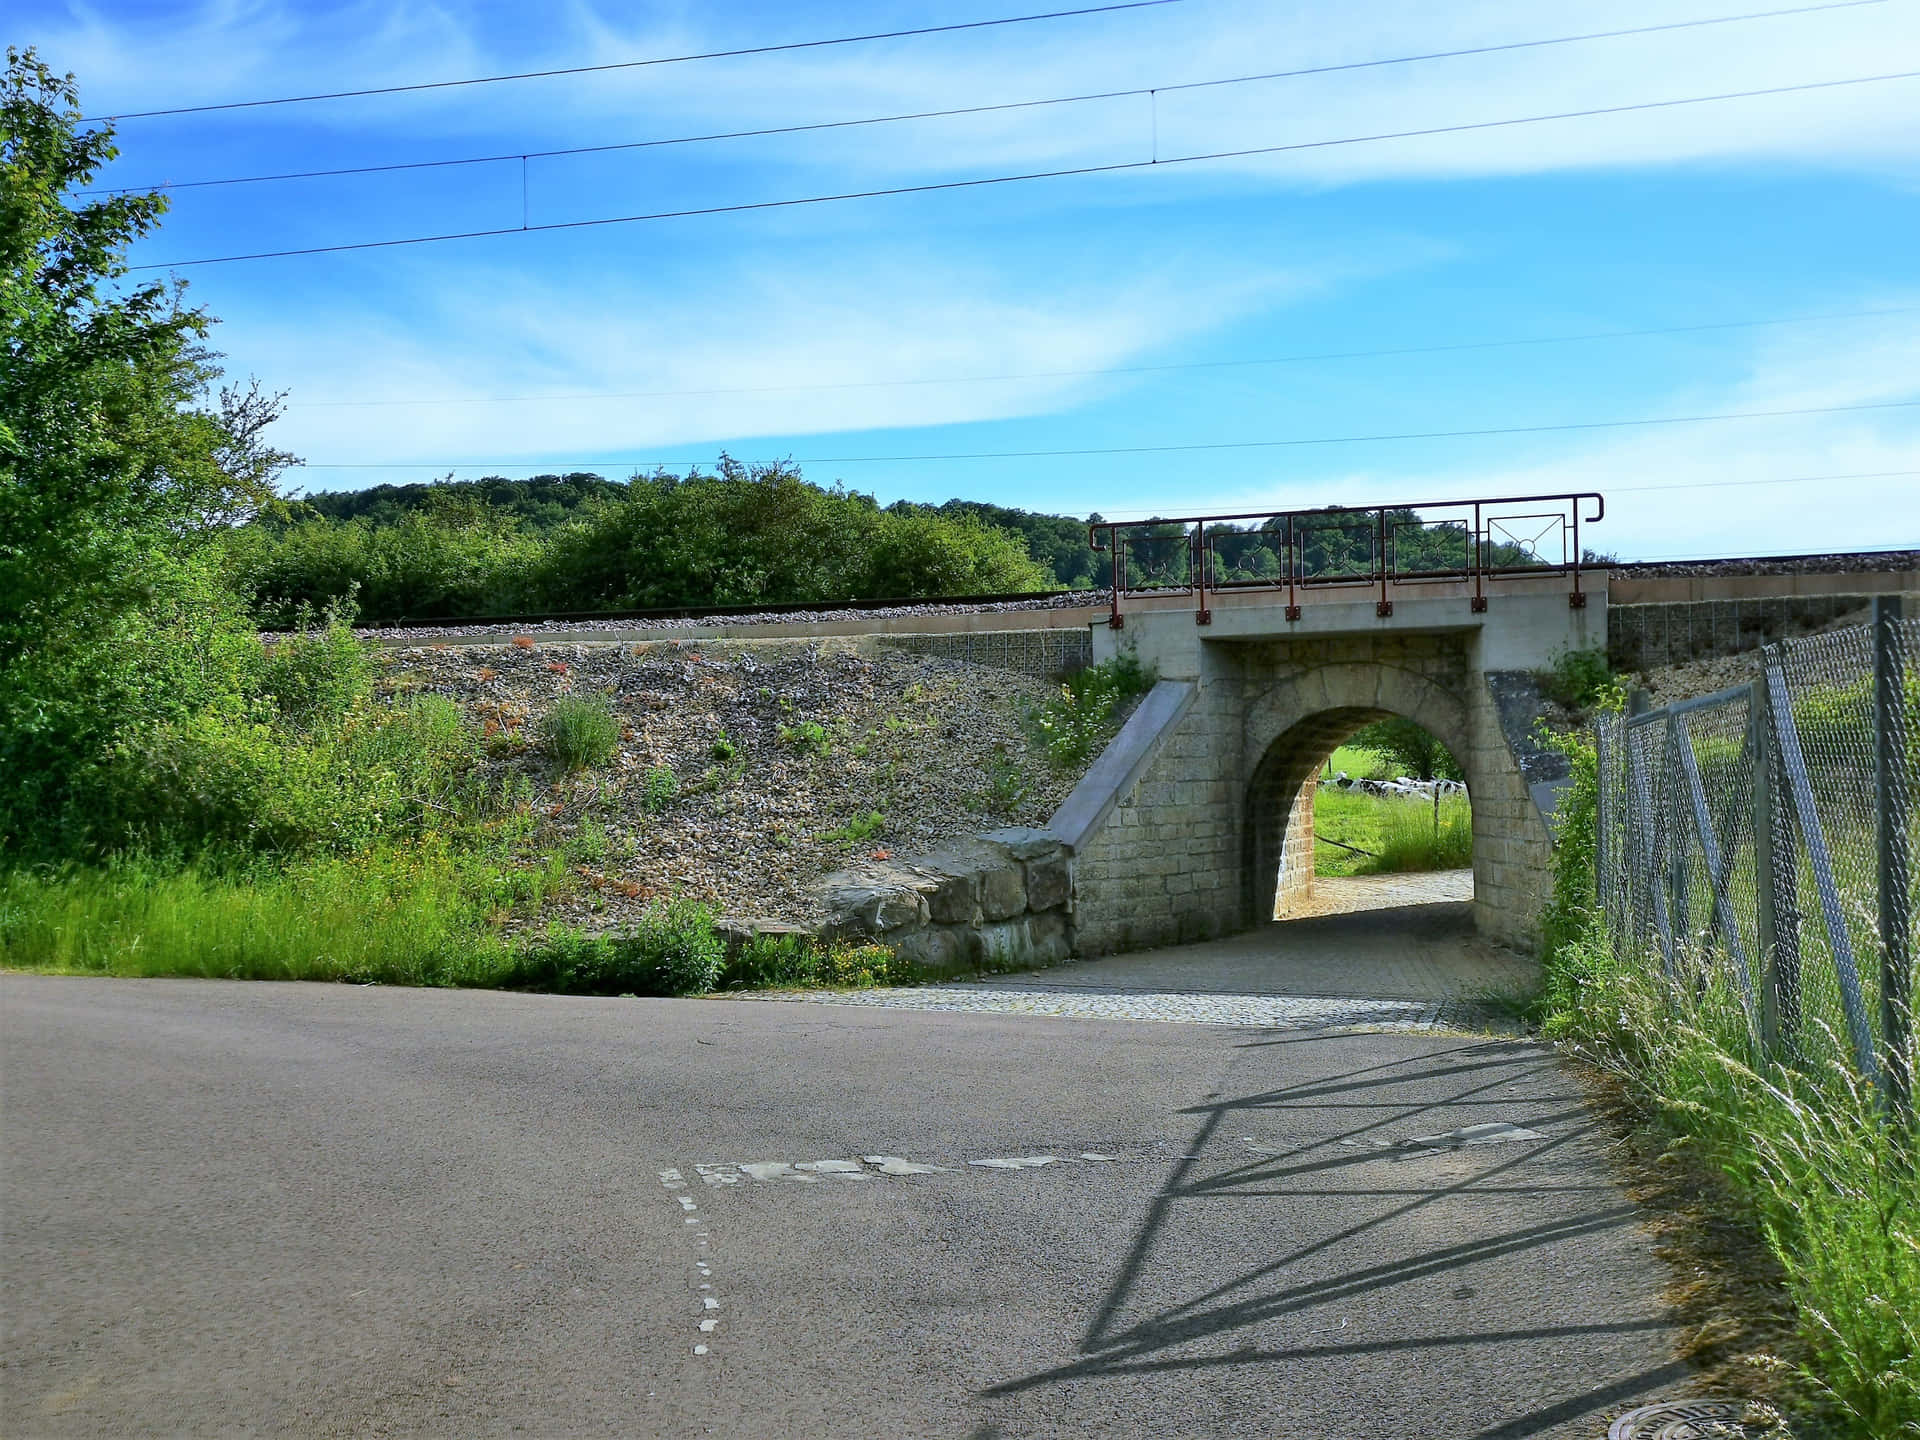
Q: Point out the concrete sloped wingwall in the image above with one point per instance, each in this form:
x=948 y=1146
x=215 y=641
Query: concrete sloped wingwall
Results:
x=1197 y=821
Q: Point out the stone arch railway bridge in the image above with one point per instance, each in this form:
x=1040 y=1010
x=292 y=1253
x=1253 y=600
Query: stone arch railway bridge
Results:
x=1274 y=637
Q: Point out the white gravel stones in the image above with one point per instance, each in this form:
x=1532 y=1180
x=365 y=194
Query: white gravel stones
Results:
x=1274 y=1012
x=1066 y=600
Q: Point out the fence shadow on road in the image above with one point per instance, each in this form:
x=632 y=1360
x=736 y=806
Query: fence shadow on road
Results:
x=1469 y=1073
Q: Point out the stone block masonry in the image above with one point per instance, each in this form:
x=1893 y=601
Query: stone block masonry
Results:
x=996 y=902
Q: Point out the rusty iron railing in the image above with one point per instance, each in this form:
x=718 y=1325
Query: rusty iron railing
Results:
x=1377 y=546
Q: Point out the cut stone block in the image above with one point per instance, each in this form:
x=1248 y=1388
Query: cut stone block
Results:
x=1049 y=882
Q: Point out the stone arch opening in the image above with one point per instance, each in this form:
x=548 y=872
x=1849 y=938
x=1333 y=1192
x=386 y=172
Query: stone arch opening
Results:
x=1282 y=798
x=1292 y=729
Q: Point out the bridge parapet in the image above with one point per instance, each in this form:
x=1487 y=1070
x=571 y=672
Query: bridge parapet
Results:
x=1372 y=550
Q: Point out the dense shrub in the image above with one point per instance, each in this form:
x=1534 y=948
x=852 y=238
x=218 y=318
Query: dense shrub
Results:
x=581 y=731
x=1578 y=679
x=740 y=537
x=672 y=950
x=430 y=563
x=801 y=962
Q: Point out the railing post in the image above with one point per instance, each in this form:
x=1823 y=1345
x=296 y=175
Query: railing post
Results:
x=1893 y=807
x=1201 y=614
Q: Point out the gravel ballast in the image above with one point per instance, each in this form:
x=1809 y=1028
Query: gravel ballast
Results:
x=774 y=749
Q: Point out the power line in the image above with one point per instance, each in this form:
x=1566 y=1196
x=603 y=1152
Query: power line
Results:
x=644 y=64
x=1559 y=428
x=1453 y=348
x=973 y=109
x=983 y=181
x=1131 y=516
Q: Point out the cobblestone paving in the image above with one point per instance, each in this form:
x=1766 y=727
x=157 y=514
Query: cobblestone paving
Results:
x=1347 y=894
x=1393 y=952
x=1274 y=1012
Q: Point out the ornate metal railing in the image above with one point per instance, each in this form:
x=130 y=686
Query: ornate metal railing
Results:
x=1301 y=552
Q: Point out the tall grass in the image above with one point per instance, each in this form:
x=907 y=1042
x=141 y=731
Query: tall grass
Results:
x=1399 y=834
x=421 y=916
x=1814 y=1161
x=418 y=916
x=581 y=731
x=1414 y=836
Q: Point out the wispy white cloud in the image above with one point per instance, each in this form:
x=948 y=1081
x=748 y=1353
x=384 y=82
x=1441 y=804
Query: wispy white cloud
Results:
x=236 y=48
x=1846 y=480
x=755 y=335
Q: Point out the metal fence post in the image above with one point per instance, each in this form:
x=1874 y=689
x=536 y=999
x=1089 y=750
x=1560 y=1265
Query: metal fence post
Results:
x=1775 y=1023
x=1679 y=902
x=1602 y=883
x=1893 y=812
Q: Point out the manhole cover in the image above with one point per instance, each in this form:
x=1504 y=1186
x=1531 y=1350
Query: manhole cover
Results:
x=1686 y=1420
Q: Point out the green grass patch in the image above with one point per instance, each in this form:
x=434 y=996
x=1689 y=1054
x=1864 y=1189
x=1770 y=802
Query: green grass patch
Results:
x=580 y=732
x=1399 y=833
x=414 y=916
x=1415 y=836
x=1360 y=764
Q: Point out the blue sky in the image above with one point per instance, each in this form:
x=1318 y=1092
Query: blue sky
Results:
x=1166 y=307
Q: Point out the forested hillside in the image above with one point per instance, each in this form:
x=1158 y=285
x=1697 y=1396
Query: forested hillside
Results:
x=744 y=535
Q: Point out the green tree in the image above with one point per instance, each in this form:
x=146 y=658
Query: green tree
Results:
x=119 y=455
x=1410 y=746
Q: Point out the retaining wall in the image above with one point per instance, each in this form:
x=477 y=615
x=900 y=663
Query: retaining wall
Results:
x=1048 y=654
x=999 y=901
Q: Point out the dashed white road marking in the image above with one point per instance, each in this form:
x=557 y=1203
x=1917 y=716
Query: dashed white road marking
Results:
x=1021 y=1162
x=673 y=1180
x=894 y=1165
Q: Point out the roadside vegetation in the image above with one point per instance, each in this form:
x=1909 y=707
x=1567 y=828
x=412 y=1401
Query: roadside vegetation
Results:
x=179 y=796
x=1073 y=725
x=1804 y=1155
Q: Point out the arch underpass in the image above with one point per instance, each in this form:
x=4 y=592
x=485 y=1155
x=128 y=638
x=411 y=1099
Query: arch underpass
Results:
x=1291 y=729
x=1198 y=819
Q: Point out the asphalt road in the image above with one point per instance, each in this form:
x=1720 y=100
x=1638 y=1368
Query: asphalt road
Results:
x=294 y=1210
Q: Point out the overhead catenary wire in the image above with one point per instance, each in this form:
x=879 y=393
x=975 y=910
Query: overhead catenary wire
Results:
x=981 y=182
x=1484 y=432
x=1188 y=365
x=958 y=111
x=1134 y=516
x=734 y=54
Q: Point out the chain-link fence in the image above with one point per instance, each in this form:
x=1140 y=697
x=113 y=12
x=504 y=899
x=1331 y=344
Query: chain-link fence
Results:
x=1760 y=842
